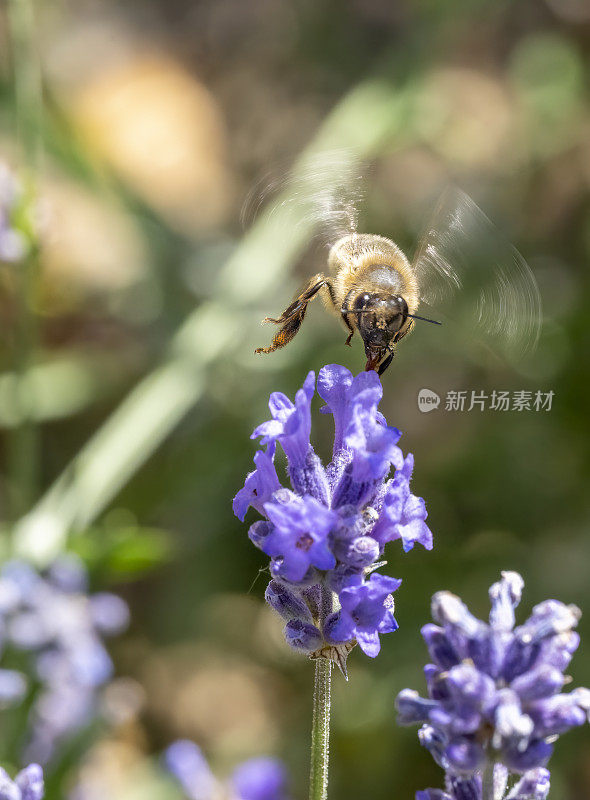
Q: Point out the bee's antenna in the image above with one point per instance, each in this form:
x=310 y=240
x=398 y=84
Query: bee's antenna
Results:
x=424 y=319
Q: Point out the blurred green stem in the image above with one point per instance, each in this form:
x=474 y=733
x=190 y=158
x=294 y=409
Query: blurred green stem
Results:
x=27 y=79
x=487 y=780
x=24 y=444
x=320 y=730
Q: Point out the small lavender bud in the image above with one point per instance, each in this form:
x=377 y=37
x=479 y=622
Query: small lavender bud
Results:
x=537 y=754
x=466 y=788
x=258 y=532
x=277 y=570
x=519 y=659
x=286 y=603
x=558 y=650
x=464 y=755
x=504 y=597
x=448 y=609
x=412 y=708
x=439 y=647
x=302 y=635
x=435 y=742
x=538 y=683
x=549 y=618
x=357 y=553
x=510 y=722
x=469 y=685
x=557 y=714
x=343 y=576
x=581 y=696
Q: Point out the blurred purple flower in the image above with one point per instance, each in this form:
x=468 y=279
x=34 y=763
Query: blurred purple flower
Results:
x=186 y=762
x=494 y=690
x=51 y=617
x=326 y=536
x=256 y=779
x=28 y=784
x=260 y=779
x=13 y=687
x=13 y=244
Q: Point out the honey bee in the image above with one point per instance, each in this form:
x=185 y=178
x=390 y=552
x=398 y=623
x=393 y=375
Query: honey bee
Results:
x=371 y=286
x=461 y=263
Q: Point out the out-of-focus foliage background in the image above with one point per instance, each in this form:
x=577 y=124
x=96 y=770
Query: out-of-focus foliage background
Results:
x=159 y=119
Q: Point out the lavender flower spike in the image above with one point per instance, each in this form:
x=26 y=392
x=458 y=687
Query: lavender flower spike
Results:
x=326 y=536
x=59 y=627
x=495 y=704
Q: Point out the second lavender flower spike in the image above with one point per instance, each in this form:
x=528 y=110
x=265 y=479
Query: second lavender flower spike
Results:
x=326 y=535
x=495 y=705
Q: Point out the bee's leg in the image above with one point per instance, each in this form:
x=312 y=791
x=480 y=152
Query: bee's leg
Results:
x=344 y=312
x=400 y=336
x=293 y=315
x=384 y=364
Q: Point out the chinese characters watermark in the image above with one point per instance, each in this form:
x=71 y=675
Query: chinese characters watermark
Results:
x=478 y=400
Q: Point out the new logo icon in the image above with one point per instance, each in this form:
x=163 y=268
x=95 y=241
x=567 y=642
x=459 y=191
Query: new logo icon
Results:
x=427 y=400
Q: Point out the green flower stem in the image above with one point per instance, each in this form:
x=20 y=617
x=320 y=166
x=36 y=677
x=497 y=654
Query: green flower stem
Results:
x=487 y=788
x=24 y=441
x=320 y=731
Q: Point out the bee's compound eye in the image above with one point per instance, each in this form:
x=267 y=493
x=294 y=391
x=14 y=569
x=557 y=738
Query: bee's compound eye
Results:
x=362 y=301
x=402 y=305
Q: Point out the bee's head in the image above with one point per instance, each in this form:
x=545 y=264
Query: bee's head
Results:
x=379 y=318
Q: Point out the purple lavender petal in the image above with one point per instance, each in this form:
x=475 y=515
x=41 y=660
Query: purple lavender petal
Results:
x=260 y=779
x=466 y=788
x=300 y=535
x=412 y=708
x=533 y=785
x=505 y=597
x=8 y=789
x=13 y=687
x=260 y=485
x=435 y=741
x=464 y=755
x=188 y=765
x=537 y=754
x=109 y=613
x=543 y=681
x=30 y=782
x=557 y=714
x=439 y=646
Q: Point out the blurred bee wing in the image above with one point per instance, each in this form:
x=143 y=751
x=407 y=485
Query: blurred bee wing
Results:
x=324 y=191
x=469 y=273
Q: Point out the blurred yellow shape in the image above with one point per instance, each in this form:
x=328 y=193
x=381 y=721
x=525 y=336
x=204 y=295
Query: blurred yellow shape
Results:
x=88 y=244
x=467 y=116
x=163 y=133
x=224 y=704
